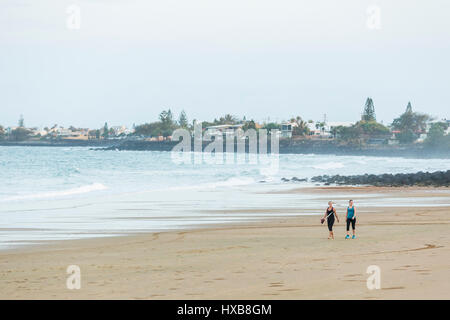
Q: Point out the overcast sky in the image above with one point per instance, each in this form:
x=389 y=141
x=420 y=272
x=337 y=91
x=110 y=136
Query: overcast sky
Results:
x=259 y=58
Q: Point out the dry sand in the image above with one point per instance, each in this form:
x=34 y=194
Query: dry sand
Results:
x=287 y=258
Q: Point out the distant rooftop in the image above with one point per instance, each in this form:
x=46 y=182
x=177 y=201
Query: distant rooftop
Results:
x=223 y=126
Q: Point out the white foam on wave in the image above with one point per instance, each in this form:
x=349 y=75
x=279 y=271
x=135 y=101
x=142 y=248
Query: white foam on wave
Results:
x=329 y=165
x=55 y=194
x=231 y=182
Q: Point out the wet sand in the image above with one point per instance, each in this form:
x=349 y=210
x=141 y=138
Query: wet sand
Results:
x=285 y=258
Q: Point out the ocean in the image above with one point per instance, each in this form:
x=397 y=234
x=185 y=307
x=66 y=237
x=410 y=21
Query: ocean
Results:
x=56 y=193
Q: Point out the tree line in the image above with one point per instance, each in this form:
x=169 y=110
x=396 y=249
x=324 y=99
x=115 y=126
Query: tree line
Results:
x=407 y=127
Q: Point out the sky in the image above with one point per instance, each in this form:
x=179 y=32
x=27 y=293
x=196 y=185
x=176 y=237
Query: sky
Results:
x=123 y=61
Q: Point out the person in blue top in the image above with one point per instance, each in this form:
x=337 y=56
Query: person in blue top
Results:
x=351 y=218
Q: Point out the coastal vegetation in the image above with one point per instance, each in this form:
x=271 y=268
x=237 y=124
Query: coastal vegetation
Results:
x=300 y=127
x=19 y=134
x=164 y=127
x=226 y=119
x=410 y=125
x=409 y=129
x=363 y=130
x=369 y=111
x=167 y=124
x=271 y=126
x=436 y=136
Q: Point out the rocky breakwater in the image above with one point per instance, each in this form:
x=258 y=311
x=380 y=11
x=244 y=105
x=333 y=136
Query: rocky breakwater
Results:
x=437 y=178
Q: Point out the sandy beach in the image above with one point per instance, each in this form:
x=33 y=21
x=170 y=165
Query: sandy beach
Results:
x=284 y=258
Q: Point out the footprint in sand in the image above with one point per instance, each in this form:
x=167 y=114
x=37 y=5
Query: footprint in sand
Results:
x=289 y=290
x=352 y=275
x=276 y=284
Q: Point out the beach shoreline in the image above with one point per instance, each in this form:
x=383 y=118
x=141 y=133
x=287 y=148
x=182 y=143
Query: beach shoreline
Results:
x=283 y=258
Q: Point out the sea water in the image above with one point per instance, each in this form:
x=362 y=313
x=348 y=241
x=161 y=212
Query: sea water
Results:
x=55 y=193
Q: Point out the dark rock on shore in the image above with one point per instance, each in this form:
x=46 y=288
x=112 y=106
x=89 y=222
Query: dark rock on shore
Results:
x=143 y=146
x=438 y=179
x=298 y=180
x=295 y=179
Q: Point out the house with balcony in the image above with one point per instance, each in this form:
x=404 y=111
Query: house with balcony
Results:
x=286 y=129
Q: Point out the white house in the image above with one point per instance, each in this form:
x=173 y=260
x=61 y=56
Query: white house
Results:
x=314 y=128
x=325 y=130
x=317 y=129
x=120 y=130
x=39 y=132
x=423 y=136
x=223 y=129
x=64 y=133
x=286 y=129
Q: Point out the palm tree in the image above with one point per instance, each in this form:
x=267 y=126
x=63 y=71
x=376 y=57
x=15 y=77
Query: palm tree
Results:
x=229 y=119
x=301 y=127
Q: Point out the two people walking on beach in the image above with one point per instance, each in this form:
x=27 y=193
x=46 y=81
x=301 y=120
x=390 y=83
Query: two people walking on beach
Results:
x=331 y=215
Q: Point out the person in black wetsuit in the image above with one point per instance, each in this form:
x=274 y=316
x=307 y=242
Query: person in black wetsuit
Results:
x=329 y=215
